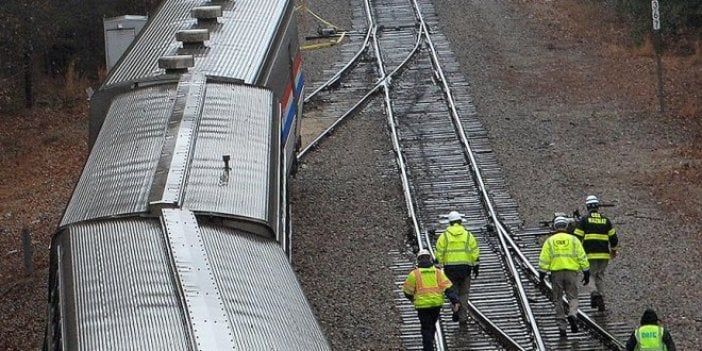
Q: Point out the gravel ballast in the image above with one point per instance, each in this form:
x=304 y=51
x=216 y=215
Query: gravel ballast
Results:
x=562 y=121
x=347 y=213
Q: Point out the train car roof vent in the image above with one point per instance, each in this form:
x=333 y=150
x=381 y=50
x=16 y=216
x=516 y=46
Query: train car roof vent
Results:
x=193 y=37
x=176 y=63
x=206 y=13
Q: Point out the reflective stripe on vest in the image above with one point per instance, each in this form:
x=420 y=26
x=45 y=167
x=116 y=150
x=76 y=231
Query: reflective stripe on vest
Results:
x=598 y=256
x=431 y=283
x=650 y=338
x=603 y=237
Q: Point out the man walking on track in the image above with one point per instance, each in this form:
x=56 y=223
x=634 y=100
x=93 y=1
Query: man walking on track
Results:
x=426 y=286
x=458 y=252
x=601 y=243
x=563 y=255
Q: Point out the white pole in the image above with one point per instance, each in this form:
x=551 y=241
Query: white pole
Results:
x=655 y=15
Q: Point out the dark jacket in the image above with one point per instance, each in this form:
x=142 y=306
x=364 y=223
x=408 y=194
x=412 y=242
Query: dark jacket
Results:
x=650 y=318
x=596 y=223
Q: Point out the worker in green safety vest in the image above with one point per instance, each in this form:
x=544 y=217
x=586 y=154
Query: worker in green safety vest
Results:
x=426 y=286
x=650 y=336
x=563 y=256
x=458 y=253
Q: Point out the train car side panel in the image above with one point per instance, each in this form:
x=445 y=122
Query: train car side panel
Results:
x=283 y=74
x=176 y=157
x=137 y=283
x=240 y=47
x=237 y=48
x=176 y=236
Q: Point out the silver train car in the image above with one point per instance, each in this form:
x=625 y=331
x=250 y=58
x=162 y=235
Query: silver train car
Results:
x=255 y=42
x=177 y=234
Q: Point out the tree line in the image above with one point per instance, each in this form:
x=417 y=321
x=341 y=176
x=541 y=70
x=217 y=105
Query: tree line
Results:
x=46 y=39
x=43 y=39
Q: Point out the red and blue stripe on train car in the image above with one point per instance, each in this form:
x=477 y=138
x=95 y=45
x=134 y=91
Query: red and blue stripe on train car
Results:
x=289 y=103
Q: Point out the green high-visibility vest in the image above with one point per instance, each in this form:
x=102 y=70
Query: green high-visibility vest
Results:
x=457 y=246
x=563 y=252
x=427 y=285
x=650 y=338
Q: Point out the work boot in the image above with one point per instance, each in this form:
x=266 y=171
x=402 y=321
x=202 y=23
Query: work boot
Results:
x=573 y=324
x=593 y=300
x=562 y=332
x=454 y=317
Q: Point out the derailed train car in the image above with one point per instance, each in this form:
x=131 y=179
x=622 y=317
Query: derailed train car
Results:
x=176 y=236
x=255 y=42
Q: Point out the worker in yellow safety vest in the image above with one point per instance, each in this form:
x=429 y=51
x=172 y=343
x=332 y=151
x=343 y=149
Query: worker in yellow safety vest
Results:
x=426 y=286
x=458 y=252
x=563 y=255
x=650 y=336
x=601 y=243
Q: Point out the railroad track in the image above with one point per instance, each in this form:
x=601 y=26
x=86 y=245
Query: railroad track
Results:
x=446 y=163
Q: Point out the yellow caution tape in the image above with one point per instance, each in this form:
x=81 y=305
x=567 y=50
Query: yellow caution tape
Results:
x=329 y=24
x=321 y=45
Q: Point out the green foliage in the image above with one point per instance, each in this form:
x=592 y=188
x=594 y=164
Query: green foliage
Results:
x=80 y=35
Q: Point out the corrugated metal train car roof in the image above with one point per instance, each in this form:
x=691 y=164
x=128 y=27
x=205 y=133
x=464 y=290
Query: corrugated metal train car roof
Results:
x=131 y=299
x=248 y=27
x=165 y=143
x=123 y=298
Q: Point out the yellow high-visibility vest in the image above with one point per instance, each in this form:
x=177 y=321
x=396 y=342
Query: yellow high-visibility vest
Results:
x=457 y=246
x=650 y=338
x=563 y=252
x=427 y=285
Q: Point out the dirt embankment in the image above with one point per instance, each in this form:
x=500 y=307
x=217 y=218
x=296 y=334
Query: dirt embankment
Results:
x=43 y=152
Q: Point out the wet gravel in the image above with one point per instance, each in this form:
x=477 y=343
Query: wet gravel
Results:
x=560 y=138
x=347 y=214
x=563 y=128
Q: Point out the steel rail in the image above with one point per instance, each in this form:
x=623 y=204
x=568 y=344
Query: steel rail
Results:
x=396 y=141
x=378 y=85
x=337 y=76
x=593 y=325
x=503 y=233
x=538 y=340
x=439 y=340
x=484 y=320
x=385 y=83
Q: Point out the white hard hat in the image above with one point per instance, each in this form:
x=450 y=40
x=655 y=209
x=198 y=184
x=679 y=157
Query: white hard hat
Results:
x=454 y=216
x=423 y=252
x=591 y=201
x=560 y=222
